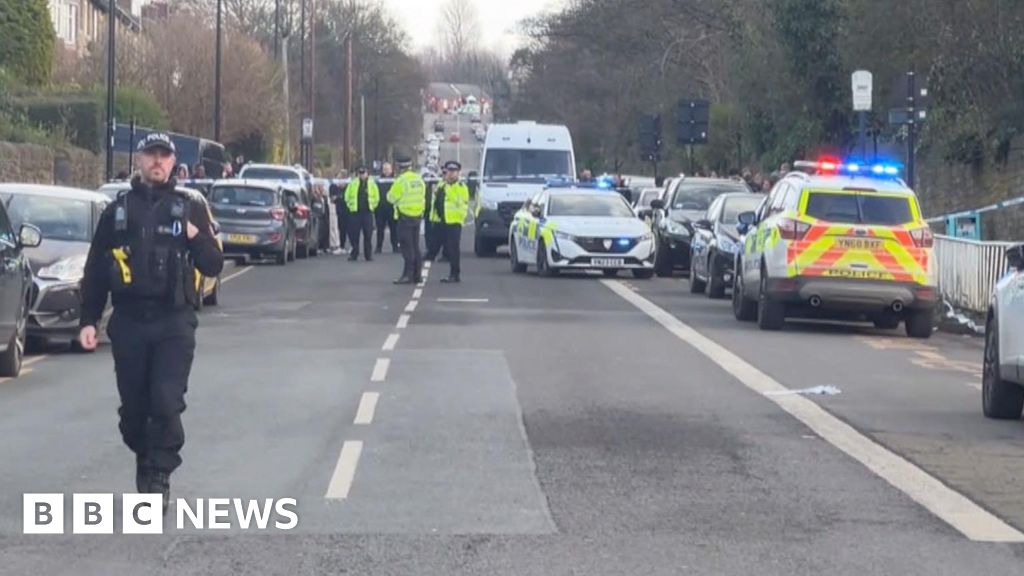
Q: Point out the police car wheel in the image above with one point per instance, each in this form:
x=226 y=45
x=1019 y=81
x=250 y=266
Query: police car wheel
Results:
x=743 y=309
x=771 y=314
x=1000 y=399
x=513 y=257
x=715 y=288
x=543 y=268
x=919 y=324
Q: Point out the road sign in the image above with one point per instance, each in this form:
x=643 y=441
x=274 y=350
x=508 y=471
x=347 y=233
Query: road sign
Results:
x=307 y=128
x=692 y=119
x=861 y=80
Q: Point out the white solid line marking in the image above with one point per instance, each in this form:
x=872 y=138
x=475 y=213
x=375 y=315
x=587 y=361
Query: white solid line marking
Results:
x=417 y=293
x=411 y=306
x=952 y=507
x=390 y=342
x=345 y=470
x=974 y=385
x=380 y=370
x=367 y=406
x=236 y=274
x=465 y=300
x=403 y=321
x=30 y=361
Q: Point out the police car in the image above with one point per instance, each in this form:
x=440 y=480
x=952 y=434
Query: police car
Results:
x=577 y=228
x=837 y=239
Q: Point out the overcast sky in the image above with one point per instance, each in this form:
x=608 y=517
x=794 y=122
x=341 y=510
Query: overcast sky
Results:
x=498 y=19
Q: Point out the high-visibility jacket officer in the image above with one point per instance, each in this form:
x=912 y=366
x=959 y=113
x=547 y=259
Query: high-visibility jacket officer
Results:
x=408 y=194
x=448 y=212
x=147 y=246
x=362 y=197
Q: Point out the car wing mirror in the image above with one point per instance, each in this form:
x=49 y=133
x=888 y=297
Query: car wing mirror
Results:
x=657 y=204
x=29 y=236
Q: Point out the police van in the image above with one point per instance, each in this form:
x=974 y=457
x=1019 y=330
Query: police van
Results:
x=841 y=240
x=518 y=160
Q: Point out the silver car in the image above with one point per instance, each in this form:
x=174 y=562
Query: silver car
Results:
x=1002 y=391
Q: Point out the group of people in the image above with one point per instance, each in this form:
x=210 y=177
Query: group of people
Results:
x=401 y=205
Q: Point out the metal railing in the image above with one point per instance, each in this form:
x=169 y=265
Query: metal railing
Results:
x=968 y=270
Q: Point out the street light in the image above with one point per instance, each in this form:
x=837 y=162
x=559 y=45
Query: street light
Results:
x=111 y=34
x=217 y=83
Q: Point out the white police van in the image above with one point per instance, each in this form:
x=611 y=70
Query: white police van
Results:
x=518 y=160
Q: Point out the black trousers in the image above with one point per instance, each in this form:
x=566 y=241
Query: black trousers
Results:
x=409 y=242
x=452 y=246
x=361 y=223
x=343 y=218
x=433 y=233
x=152 y=359
x=386 y=220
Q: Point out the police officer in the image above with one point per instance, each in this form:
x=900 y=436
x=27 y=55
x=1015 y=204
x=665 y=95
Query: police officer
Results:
x=148 y=244
x=448 y=212
x=386 y=212
x=362 y=197
x=408 y=195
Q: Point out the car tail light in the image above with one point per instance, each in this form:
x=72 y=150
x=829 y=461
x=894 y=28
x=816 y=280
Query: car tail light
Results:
x=277 y=213
x=923 y=237
x=302 y=211
x=790 y=229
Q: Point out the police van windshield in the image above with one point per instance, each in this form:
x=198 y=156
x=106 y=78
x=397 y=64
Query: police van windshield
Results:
x=596 y=205
x=56 y=218
x=241 y=196
x=507 y=165
x=864 y=208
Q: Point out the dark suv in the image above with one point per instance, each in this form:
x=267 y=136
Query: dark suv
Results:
x=15 y=291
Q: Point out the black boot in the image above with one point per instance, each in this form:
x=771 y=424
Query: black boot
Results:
x=160 y=483
x=450 y=280
x=403 y=280
x=142 y=475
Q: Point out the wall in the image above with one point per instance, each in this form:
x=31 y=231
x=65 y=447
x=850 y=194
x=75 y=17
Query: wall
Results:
x=945 y=188
x=31 y=163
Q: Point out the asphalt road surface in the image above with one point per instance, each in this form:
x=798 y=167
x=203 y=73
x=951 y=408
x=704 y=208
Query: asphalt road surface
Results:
x=519 y=425
x=467 y=151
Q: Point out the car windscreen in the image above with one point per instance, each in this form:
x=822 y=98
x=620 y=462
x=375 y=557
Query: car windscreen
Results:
x=738 y=205
x=595 y=205
x=526 y=165
x=269 y=174
x=699 y=195
x=242 y=196
x=859 y=208
x=56 y=218
x=648 y=196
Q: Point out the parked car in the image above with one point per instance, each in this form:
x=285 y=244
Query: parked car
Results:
x=454 y=137
x=642 y=206
x=686 y=200
x=312 y=209
x=716 y=242
x=1002 y=382
x=208 y=288
x=15 y=287
x=66 y=219
x=257 y=219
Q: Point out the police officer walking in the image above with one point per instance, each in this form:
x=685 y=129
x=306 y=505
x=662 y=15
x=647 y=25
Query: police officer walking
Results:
x=147 y=246
x=448 y=212
x=408 y=195
x=362 y=197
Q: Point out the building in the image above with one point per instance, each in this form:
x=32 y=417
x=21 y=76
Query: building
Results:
x=78 y=23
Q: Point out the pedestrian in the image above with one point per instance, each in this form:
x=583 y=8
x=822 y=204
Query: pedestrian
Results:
x=448 y=212
x=386 y=211
x=341 y=211
x=362 y=198
x=182 y=172
x=199 y=172
x=409 y=196
x=586 y=176
x=147 y=246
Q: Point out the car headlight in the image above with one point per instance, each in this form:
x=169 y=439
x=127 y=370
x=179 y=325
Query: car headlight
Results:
x=564 y=236
x=67 y=270
x=728 y=245
x=676 y=228
x=488 y=204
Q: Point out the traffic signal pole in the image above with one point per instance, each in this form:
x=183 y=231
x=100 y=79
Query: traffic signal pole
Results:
x=911 y=127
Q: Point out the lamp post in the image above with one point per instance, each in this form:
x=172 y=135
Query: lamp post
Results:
x=217 y=84
x=111 y=70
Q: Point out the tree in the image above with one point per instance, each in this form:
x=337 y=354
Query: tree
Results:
x=27 y=40
x=459 y=29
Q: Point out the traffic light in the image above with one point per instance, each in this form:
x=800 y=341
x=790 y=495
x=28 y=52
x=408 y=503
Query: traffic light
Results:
x=692 y=118
x=649 y=136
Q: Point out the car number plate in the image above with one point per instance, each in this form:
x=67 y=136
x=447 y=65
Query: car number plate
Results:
x=608 y=262
x=859 y=243
x=242 y=238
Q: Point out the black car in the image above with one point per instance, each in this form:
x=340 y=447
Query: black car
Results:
x=66 y=219
x=15 y=286
x=716 y=241
x=685 y=200
x=439 y=126
x=257 y=219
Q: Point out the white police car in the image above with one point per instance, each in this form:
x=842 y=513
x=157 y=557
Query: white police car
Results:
x=578 y=228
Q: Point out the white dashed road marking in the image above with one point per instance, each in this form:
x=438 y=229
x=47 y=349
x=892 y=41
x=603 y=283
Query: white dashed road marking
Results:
x=403 y=321
x=390 y=342
x=380 y=370
x=411 y=306
x=465 y=300
x=345 y=470
x=367 y=406
x=955 y=509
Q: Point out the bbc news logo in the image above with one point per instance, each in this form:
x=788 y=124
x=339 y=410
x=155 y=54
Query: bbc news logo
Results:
x=143 y=514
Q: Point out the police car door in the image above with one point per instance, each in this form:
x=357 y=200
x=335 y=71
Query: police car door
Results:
x=529 y=229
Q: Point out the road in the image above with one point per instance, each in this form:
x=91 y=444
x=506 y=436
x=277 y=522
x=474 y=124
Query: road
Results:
x=519 y=425
x=467 y=151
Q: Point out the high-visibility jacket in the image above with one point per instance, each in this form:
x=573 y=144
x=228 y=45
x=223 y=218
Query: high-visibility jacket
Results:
x=352 y=194
x=456 y=203
x=409 y=195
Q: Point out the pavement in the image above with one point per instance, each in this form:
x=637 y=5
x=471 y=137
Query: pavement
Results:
x=520 y=425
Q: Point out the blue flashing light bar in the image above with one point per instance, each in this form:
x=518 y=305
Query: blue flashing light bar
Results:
x=851 y=167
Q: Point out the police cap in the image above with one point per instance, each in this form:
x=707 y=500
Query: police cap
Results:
x=452 y=165
x=403 y=161
x=157 y=140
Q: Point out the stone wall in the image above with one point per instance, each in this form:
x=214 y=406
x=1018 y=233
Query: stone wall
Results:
x=945 y=188
x=31 y=163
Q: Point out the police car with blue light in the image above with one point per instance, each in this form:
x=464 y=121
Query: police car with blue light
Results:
x=570 y=226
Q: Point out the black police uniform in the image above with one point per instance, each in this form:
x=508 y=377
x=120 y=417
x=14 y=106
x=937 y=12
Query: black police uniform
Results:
x=142 y=257
x=385 y=216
